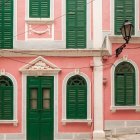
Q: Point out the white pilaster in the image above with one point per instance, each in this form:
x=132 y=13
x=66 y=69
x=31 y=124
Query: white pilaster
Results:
x=97 y=24
x=98 y=133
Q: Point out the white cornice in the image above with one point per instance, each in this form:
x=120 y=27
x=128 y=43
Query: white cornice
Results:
x=60 y=53
x=119 y=39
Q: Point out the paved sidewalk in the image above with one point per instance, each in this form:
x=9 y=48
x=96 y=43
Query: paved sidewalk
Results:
x=125 y=137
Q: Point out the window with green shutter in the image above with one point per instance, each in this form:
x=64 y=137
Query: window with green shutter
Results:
x=125 y=84
x=124 y=10
x=6 y=98
x=76 y=98
x=6 y=24
x=39 y=9
x=76 y=23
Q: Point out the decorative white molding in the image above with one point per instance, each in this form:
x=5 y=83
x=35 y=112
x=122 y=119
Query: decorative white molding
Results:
x=48 y=29
x=14 y=122
x=39 y=66
x=64 y=121
x=39 y=21
x=64 y=96
x=113 y=108
x=51 y=52
x=2 y=71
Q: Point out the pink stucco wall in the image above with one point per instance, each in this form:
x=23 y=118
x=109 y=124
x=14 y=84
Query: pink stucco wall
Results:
x=68 y=65
x=20 y=19
x=58 y=18
x=132 y=54
x=106 y=15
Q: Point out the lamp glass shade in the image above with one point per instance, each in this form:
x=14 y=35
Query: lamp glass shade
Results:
x=126 y=30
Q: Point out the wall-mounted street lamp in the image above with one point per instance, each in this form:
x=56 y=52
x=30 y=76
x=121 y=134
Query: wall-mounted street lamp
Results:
x=126 y=31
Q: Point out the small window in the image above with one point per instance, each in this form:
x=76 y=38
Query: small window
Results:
x=76 y=98
x=39 y=9
x=6 y=98
x=124 y=10
x=125 y=84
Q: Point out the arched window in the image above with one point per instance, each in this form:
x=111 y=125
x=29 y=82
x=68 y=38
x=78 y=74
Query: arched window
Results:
x=6 y=98
x=125 y=84
x=76 y=98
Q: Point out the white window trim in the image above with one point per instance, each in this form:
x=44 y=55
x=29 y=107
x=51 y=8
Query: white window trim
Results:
x=15 y=89
x=49 y=20
x=112 y=14
x=64 y=119
x=113 y=108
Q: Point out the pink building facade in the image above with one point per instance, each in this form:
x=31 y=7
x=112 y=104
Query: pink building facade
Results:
x=58 y=70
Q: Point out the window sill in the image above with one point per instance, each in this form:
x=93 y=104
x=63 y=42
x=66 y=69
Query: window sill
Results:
x=14 y=122
x=115 y=108
x=39 y=21
x=64 y=121
x=119 y=39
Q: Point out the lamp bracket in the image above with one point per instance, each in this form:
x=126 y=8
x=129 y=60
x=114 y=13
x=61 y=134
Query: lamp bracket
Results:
x=119 y=50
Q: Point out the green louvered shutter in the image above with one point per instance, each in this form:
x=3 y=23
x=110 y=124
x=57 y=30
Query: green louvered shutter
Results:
x=76 y=24
x=124 y=10
x=6 y=24
x=119 y=90
x=71 y=103
x=76 y=102
x=76 y=98
x=82 y=102
x=130 y=89
x=39 y=8
x=6 y=103
x=125 y=84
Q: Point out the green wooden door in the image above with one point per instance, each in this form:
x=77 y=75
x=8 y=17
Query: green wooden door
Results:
x=40 y=108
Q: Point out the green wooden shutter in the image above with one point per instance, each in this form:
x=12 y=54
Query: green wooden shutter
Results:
x=124 y=10
x=6 y=103
x=125 y=84
x=6 y=24
x=82 y=103
x=130 y=89
x=76 y=103
x=76 y=24
x=120 y=89
x=71 y=103
x=39 y=8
